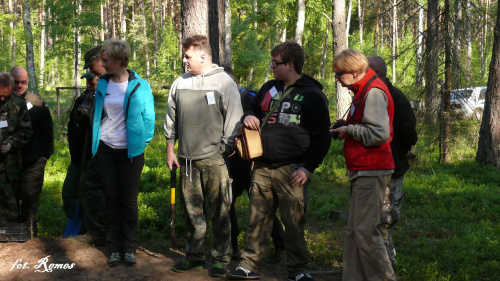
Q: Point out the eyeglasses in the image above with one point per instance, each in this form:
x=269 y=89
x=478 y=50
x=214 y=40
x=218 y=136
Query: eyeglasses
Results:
x=25 y=82
x=275 y=63
x=338 y=74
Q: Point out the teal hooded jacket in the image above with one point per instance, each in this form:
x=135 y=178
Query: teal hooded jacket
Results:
x=139 y=113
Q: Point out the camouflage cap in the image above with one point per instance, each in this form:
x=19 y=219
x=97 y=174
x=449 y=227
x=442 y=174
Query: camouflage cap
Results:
x=88 y=75
x=91 y=55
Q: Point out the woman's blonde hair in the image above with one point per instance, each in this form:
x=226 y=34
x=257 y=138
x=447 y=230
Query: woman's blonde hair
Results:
x=118 y=50
x=350 y=61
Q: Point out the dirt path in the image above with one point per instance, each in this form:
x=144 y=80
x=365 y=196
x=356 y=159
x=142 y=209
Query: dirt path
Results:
x=67 y=259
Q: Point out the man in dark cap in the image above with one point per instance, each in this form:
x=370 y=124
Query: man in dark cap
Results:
x=83 y=169
x=93 y=61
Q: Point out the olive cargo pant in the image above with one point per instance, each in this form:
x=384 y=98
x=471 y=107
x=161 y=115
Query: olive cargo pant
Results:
x=271 y=189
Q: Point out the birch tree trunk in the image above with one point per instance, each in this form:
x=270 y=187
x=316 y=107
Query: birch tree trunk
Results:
x=431 y=60
x=42 y=45
x=394 y=38
x=123 y=20
x=30 y=54
x=349 y=11
x=375 y=34
x=339 y=44
x=469 y=40
x=13 y=25
x=301 y=18
x=488 y=151
x=145 y=43
x=250 y=73
x=76 y=46
x=457 y=45
x=103 y=23
x=446 y=95
x=155 y=36
x=325 y=50
x=361 y=16
x=228 y=53
x=420 y=41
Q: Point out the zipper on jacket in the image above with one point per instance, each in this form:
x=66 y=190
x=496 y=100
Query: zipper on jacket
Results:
x=126 y=112
x=129 y=97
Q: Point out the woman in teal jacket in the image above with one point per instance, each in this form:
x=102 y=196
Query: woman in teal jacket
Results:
x=123 y=125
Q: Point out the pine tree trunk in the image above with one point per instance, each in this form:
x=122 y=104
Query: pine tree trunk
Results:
x=301 y=18
x=339 y=44
x=216 y=30
x=30 y=54
x=488 y=151
x=103 y=24
x=194 y=16
x=76 y=47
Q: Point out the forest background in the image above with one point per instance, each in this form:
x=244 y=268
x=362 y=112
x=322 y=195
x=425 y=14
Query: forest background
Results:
x=450 y=224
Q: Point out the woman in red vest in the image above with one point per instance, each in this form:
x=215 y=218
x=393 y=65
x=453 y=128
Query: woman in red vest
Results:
x=367 y=135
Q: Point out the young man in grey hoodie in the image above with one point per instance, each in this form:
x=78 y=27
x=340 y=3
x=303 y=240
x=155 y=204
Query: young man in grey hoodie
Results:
x=204 y=108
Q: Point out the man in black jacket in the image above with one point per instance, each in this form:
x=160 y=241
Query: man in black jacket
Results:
x=37 y=152
x=82 y=171
x=404 y=137
x=295 y=140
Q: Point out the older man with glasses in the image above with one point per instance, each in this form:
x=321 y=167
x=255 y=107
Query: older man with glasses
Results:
x=36 y=152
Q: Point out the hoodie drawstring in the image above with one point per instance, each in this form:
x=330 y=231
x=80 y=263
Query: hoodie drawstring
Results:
x=190 y=169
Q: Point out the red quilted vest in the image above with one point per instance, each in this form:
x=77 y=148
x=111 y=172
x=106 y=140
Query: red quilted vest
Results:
x=357 y=156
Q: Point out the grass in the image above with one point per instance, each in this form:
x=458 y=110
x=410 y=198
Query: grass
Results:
x=449 y=229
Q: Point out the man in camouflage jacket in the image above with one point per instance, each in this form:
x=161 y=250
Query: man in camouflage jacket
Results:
x=15 y=132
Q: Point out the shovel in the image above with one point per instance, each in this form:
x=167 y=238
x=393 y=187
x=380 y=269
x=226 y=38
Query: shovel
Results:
x=173 y=175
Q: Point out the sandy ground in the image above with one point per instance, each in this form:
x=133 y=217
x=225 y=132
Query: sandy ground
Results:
x=68 y=259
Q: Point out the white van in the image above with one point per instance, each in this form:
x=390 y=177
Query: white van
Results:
x=468 y=102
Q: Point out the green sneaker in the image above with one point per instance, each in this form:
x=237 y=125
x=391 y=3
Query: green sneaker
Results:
x=185 y=265
x=218 y=270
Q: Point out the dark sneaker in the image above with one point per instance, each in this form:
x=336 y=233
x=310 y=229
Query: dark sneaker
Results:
x=242 y=274
x=278 y=258
x=302 y=277
x=114 y=259
x=218 y=270
x=129 y=259
x=185 y=265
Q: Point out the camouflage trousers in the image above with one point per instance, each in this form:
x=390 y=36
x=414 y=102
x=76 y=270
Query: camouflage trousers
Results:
x=8 y=202
x=206 y=181
x=391 y=213
x=30 y=188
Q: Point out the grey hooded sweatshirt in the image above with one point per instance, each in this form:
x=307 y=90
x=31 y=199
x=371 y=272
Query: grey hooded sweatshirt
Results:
x=203 y=113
